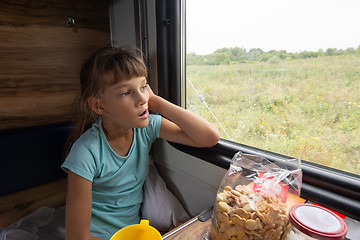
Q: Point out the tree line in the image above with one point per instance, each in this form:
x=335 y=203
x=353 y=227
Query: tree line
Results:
x=241 y=55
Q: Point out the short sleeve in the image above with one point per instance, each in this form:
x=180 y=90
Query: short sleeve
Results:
x=154 y=127
x=81 y=161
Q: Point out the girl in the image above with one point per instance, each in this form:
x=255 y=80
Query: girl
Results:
x=108 y=163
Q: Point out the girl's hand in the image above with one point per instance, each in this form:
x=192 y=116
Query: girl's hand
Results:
x=151 y=93
x=152 y=98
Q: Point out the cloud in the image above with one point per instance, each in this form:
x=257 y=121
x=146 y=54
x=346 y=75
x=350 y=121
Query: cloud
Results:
x=292 y=25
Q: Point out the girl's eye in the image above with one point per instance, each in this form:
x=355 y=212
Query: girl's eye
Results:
x=125 y=94
x=144 y=87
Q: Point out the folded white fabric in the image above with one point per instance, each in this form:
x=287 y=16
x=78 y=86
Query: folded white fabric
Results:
x=160 y=206
x=43 y=224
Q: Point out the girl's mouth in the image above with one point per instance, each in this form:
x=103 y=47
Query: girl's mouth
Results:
x=144 y=115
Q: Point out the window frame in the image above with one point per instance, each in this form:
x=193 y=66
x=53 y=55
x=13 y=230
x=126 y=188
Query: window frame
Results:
x=329 y=187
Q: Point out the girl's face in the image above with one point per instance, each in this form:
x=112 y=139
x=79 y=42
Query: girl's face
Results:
x=125 y=104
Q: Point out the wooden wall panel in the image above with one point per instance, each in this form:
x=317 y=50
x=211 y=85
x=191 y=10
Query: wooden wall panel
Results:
x=40 y=57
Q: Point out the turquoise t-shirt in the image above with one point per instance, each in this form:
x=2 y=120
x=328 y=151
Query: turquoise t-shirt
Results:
x=116 y=181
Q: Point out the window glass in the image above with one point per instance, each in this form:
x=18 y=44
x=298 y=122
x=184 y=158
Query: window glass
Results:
x=281 y=75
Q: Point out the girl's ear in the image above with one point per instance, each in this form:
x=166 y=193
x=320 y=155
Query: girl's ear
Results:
x=94 y=103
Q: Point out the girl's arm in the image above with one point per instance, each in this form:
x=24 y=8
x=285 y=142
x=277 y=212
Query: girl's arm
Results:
x=181 y=125
x=78 y=208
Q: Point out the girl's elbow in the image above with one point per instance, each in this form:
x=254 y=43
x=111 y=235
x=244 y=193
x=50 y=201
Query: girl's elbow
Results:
x=213 y=138
x=216 y=139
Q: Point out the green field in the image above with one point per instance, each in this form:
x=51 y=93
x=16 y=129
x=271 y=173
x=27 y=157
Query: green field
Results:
x=304 y=108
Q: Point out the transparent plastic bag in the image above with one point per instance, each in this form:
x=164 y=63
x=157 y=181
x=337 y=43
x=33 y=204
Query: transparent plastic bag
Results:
x=254 y=197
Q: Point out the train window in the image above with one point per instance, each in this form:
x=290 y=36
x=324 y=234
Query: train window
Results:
x=283 y=76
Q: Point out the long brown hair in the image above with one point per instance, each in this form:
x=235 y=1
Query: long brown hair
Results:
x=107 y=66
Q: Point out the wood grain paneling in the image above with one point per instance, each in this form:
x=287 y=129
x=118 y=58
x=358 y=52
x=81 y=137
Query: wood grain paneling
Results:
x=40 y=57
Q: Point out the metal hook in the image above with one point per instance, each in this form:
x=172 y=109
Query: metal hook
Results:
x=70 y=22
x=166 y=21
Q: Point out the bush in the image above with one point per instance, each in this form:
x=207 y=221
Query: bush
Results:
x=273 y=60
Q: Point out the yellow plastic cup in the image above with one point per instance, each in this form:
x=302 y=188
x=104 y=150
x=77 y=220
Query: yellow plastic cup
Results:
x=141 y=231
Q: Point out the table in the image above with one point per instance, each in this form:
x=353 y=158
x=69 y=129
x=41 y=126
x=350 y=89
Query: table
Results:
x=192 y=229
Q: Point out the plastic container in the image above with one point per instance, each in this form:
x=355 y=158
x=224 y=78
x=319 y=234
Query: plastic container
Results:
x=308 y=222
x=142 y=231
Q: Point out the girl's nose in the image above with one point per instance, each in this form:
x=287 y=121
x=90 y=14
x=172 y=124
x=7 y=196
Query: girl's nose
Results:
x=142 y=98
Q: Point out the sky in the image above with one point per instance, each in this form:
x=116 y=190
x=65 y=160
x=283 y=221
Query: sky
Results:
x=291 y=25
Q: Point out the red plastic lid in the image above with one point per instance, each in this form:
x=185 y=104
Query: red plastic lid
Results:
x=317 y=222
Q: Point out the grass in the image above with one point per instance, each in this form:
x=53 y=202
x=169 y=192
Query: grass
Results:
x=306 y=108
